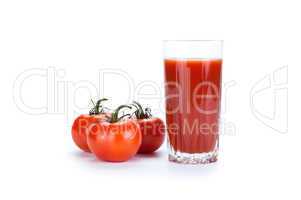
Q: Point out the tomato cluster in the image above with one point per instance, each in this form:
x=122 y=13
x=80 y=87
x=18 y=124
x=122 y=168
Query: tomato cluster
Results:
x=115 y=138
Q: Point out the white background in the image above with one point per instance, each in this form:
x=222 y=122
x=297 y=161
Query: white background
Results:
x=78 y=38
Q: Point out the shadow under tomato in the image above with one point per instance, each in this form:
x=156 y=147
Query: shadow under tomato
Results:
x=82 y=154
x=155 y=154
x=135 y=159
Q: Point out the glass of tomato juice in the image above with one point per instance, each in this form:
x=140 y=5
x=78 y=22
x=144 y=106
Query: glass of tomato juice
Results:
x=193 y=71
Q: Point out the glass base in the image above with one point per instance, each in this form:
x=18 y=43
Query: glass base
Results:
x=196 y=158
x=193 y=158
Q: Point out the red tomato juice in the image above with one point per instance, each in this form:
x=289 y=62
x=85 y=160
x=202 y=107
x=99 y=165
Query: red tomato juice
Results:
x=193 y=94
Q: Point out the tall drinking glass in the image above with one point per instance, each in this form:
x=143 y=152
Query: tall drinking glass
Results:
x=193 y=70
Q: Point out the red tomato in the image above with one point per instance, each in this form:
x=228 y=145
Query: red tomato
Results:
x=80 y=129
x=153 y=134
x=82 y=123
x=115 y=141
x=152 y=129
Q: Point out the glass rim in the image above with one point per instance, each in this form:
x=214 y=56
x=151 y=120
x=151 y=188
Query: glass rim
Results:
x=193 y=40
x=193 y=49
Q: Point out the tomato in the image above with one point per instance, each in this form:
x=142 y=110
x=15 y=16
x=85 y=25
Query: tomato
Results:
x=152 y=129
x=80 y=129
x=116 y=140
x=82 y=123
x=153 y=134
